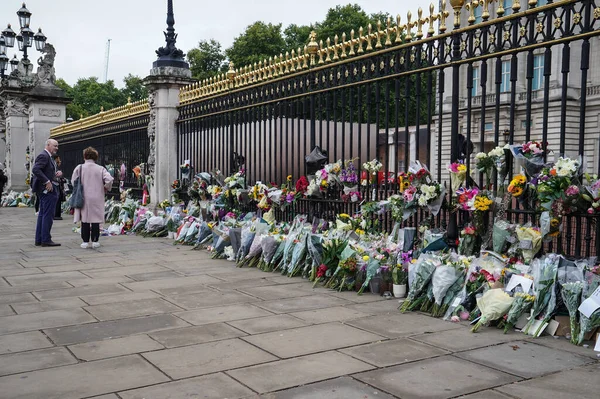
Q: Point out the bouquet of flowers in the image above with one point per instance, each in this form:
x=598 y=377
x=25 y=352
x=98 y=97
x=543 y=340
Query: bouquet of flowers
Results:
x=344 y=274
x=555 y=187
x=587 y=324
x=349 y=179
x=372 y=167
x=592 y=194
x=544 y=277
x=468 y=241
x=498 y=156
x=571 y=295
x=431 y=196
x=529 y=242
x=458 y=174
x=531 y=155
x=423 y=271
x=400 y=274
x=493 y=304
x=485 y=164
x=451 y=295
x=518 y=186
x=522 y=304
x=465 y=198
x=371 y=270
x=332 y=252
x=443 y=278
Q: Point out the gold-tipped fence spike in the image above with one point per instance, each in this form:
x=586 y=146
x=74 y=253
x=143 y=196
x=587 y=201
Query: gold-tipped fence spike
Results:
x=351 y=52
x=327 y=51
x=471 y=7
x=408 y=27
x=299 y=60
x=344 y=43
x=485 y=14
x=398 y=30
x=432 y=18
x=292 y=63
x=368 y=37
x=305 y=58
x=444 y=14
x=419 y=23
x=335 y=48
x=321 y=51
x=532 y=3
x=378 y=35
x=361 y=39
x=388 y=29
x=500 y=10
x=516 y=5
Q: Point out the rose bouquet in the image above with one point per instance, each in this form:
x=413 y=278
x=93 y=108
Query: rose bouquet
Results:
x=531 y=156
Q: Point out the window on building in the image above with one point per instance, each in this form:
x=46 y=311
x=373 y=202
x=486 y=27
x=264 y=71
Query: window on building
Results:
x=505 y=85
x=508 y=7
x=525 y=123
x=489 y=127
x=538 y=71
x=475 y=88
x=478 y=13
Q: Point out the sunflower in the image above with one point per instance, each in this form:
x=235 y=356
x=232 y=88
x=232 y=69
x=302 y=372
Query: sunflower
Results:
x=289 y=178
x=517 y=191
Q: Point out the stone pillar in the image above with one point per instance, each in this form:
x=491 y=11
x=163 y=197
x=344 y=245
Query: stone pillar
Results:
x=163 y=86
x=17 y=140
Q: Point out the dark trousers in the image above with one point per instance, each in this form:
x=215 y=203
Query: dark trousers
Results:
x=86 y=230
x=46 y=216
x=58 y=211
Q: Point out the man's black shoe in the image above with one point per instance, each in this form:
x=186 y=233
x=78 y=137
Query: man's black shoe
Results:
x=37 y=244
x=50 y=244
x=58 y=218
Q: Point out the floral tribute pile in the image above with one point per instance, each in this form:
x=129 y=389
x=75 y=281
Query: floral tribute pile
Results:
x=495 y=274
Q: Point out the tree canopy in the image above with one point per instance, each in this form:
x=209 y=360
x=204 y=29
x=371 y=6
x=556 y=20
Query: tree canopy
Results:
x=259 y=42
x=207 y=59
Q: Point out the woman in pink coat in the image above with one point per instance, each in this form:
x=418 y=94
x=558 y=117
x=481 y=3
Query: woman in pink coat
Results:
x=96 y=182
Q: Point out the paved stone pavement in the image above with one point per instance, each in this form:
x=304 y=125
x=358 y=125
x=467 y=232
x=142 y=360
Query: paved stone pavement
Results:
x=141 y=318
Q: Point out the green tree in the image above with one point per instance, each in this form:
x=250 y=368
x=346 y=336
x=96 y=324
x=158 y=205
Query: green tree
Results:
x=206 y=60
x=342 y=19
x=258 y=42
x=134 y=88
x=296 y=36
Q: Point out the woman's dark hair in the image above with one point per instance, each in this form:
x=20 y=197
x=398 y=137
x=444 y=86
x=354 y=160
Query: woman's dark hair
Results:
x=90 y=153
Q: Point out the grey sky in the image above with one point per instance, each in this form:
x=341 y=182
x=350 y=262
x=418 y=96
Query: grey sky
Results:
x=79 y=29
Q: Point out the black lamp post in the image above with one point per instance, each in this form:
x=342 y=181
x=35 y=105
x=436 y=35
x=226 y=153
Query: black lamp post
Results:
x=25 y=39
x=170 y=55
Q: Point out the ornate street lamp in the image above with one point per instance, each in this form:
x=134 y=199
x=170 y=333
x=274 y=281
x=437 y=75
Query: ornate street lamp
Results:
x=14 y=63
x=3 y=63
x=9 y=36
x=24 y=16
x=40 y=40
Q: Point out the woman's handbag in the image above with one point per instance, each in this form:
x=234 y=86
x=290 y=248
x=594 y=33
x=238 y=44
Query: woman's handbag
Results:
x=76 y=200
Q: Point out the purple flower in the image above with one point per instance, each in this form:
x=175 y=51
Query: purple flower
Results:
x=572 y=190
x=289 y=197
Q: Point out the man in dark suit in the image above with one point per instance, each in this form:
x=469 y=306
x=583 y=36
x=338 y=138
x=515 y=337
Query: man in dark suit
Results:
x=45 y=185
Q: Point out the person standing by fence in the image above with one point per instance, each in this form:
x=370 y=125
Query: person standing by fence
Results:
x=61 y=191
x=96 y=181
x=45 y=185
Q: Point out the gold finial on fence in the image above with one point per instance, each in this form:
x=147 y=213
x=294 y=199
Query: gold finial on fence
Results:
x=351 y=53
x=443 y=16
x=101 y=109
x=344 y=43
x=231 y=72
x=305 y=58
x=408 y=25
x=292 y=56
x=432 y=18
x=500 y=11
x=485 y=14
x=420 y=21
x=328 y=46
x=129 y=101
x=457 y=6
x=388 y=29
x=299 y=59
x=532 y=3
x=471 y=7
x=369 y=33
x=321 y=51
x=313 y=46
x=398 y=30
x=378 y=34
x=270 y=68
x=335 y=48
x=516 y=5
x=360 y=40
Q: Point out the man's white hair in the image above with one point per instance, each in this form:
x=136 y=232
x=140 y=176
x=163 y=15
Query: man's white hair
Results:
x=49 y=141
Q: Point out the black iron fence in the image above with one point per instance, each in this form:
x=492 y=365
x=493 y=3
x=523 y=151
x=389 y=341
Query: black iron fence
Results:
x=500 y=76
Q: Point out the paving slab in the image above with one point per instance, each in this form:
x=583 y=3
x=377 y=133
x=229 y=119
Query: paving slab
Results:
x=462 y=339
x=401 y=325
x=267 y=324
x=389 y=306
x=153 y=276
x=209 y=299
x=185 y=290
x=239 y=284
x=438 y=378
x=301 y=303
x=35 y=360
x=110 y=329
x=6 y=310
x=20 y=272
x=114 y=347
x=222 y=313
x=354 y=297
x=82 y=380
x=581 y=383
x=339 y=388
x=80 y=291
x=275 y=292
x=109 y=396
x=34 y=287
x=100 y=281
x=49 y=319
x=112 y=298
x=23 y=342
x=17 y=298
x=311 y=339
x=196 y=335
x=214 y=386
x=45 y=278
x=563 y=344
x=298 y=371
x=53 y=304
x=195 y=360
x=122 y=310
x=337 y=313
x=487 y=394
x=170 y=283
x=524 y=359
x=124 y=270
x=393 y=352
